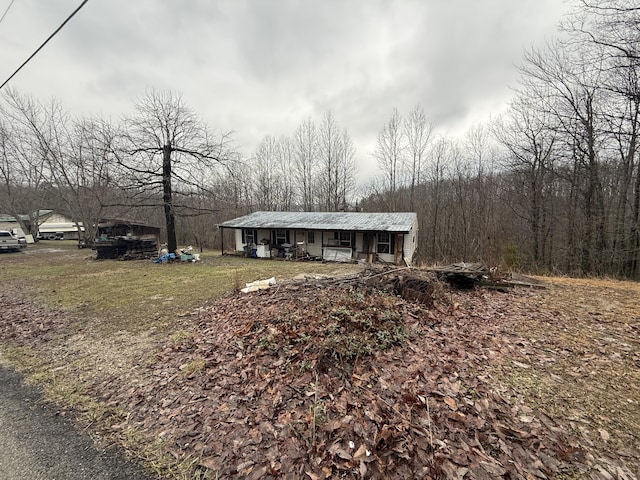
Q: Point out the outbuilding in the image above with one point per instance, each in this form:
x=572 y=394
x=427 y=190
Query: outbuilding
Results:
x=334 y=236
x=124 y=239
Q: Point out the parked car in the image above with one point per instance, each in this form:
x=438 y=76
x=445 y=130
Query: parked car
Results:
x=59 y=236
x=10 y=242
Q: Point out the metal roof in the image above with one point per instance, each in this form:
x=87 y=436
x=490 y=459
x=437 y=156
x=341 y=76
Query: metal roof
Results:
x=113 y=222
x=5 y=217
x=352 y=221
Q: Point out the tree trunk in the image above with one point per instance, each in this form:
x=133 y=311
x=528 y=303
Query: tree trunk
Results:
x=634 y=267
x=167 y=199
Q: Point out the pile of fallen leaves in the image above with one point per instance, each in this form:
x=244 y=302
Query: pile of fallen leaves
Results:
x=24 y=324
x=340 y=382
x=386 y=377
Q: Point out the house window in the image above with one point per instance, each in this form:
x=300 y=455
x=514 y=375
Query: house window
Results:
x=249 y=236
x=311 y=237
x=280 y=236
x=344 y=239
x=384 y=242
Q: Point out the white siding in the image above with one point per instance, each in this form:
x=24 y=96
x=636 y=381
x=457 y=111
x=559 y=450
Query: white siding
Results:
x=359 y=241
x=239 y=244
x=407 y=245
x=410 y=242
x=59 y=223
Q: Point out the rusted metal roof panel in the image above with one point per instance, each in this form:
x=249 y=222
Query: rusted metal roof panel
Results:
x=400 y=222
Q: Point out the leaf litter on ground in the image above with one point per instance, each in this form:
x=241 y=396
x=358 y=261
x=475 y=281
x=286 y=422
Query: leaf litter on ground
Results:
x=347 y=380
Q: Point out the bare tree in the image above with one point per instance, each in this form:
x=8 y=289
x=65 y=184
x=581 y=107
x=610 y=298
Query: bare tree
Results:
x=611 y=29
x=480 y=154
x=286 y=162
x=611 y=24
x=22 y=168
x=574 y=99
x=87 y=173
x=168 y=150
x=440 y=156
x=305 y=160
x=529 y=143
x=417 y=132
x=336 y=154
x=389 y=153
x=231 y=188
x=268 y=174
x=346 y=170
x=71 y=159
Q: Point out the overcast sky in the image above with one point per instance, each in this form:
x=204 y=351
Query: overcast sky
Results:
x=260 y=67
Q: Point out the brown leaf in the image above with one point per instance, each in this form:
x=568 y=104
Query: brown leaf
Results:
x=451 y=402
x=360 y=453
x=457 y=416
x=209 y=463
x=493 y=469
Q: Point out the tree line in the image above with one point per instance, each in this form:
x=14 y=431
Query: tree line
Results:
x=162 y=164
x=552 y=184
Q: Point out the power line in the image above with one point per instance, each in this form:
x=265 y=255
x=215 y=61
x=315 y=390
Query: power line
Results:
x=5 y=12
x=45 y=42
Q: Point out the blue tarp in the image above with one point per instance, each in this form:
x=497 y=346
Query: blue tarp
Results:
x=165 y=258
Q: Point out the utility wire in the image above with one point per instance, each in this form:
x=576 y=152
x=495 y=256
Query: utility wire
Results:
x=45 y=42
x=5 y=12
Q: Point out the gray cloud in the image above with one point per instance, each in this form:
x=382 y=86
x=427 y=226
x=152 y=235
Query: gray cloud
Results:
x=261 y=67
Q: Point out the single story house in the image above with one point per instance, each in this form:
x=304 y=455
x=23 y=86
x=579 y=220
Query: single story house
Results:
x=56 y=223
x=50 y=224
x=336 y=236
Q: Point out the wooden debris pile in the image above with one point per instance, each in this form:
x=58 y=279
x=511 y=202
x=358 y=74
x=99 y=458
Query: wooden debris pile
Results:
x=406 y=282
x=469 y=275
x=323 y=381
x=461 y=275
x=410 y=284
x=126 y=248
